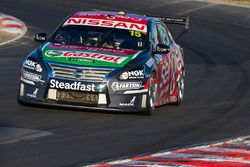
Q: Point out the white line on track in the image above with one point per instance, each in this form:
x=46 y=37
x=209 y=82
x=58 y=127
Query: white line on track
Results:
x=10 y=135
x=224 y=3
x=197 y=9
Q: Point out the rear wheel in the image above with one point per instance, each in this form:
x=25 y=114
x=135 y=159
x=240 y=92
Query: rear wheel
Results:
x=150 y=101
x=180 y=90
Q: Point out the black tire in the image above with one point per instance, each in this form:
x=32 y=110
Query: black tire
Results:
x=20 y=102
x=180 y=87
x=150 y=106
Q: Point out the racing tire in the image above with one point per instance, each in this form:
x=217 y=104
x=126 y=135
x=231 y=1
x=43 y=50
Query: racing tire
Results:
x=180 y=90
x=150 y=101
x=20 y=102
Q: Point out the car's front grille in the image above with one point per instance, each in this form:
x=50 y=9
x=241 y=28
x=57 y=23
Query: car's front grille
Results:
x=79 y=73
x=77 y=97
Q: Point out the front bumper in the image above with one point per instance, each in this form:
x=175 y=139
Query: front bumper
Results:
x=131 y=101
x=81 y=107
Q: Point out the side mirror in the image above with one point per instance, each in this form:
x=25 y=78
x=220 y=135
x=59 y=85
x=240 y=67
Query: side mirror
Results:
x=40 y=37
x=162 y=49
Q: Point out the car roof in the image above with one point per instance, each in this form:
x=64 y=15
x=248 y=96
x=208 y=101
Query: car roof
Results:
x=119 y=16
x=119 y=20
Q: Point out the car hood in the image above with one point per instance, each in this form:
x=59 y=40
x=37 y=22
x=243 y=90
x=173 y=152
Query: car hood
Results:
x=87 y=56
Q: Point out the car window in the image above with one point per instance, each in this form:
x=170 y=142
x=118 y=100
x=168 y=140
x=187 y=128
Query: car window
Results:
x=100 y=37
x=154 y=37
x=163 y=34
x=171 y=39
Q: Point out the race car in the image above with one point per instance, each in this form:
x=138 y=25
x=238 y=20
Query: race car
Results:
x=106 y=61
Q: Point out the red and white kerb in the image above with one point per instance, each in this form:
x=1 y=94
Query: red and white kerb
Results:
x=232 y=153
x=11 y=24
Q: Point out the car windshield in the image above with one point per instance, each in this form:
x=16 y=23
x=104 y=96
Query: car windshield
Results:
x=100 y=37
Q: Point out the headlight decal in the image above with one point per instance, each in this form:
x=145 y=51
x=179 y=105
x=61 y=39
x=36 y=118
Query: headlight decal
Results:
x=38 y=68
x=32 y=65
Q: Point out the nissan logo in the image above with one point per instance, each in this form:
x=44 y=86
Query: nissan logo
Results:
x=78 y=73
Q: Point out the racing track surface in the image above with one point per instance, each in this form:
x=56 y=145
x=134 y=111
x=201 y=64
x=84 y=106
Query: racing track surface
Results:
x=216 y=106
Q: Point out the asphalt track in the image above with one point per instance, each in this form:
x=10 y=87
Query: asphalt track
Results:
x=217 y=96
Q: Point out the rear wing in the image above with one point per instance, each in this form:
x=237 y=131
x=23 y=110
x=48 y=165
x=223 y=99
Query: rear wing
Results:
x=174 y=20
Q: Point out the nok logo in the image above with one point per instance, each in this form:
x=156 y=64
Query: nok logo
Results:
x=88 y=55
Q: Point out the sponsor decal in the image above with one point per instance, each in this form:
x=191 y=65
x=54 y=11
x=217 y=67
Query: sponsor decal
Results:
x=81 y=60
x=88 y=55
x=106 y=23
x=166 y=83
x=117 y=86
x=150 y=62
x=93 y=49
x=168 y=76
x=135 y=74
x=131 y=103
x=34 y=94
x=165 y=72
x=78 y=86
x=108 y=16
x=32 y=77
x=30 y=64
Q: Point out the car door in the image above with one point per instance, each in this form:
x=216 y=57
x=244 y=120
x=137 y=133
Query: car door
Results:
x=165 y=65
